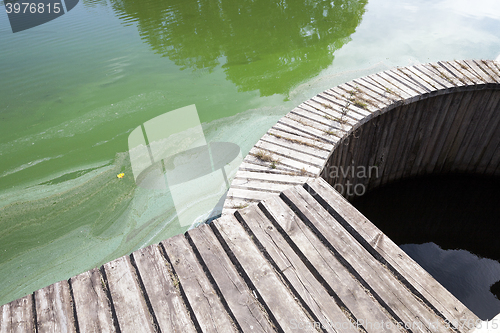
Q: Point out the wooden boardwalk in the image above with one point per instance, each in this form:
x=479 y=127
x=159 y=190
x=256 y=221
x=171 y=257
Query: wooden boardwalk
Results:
x=303 y=260
x=290 y=253
x=430 y=118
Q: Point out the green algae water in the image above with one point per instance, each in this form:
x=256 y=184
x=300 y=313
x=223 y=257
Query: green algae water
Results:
x=73 y=89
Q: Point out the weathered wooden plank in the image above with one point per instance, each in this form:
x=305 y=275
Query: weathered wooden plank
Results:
x=470 y=130
x=386 y=288
x=493 y=65
x=271 y=177
x=396 y=95
x=490 y=72
x=375 y=101
x=269 y=163
x=248 y=195
x=308 y=124
x=351 y=293
x=324 y=306
x=17 y=316
x=290 y=153
x=353 y=156
x=416 y=138
x=300 y=139
x=428 y=162
x=452 y=156
x=390 y=167
x=330 y=137
x=165 y=298
x=392 y=83
x=299 y=147
x=131 y=310
x=406 y=152
x=463 y=80
x=259 y=185
x=296 y=144
x=437 y=158
x=364 y=147
x=279 y=157
x=344 y=157
x=489 y=142
x=467 y=71
x=408 y=82
x=328 y=119
x=381 y=246
x=292 y=130
x=252 y=163
x=348 y=92
x=54 y=312
x=283 y=307
x=480 y=72
x=435 y=73
x=232 y=204
x=388 y=143
x=429 y=127
x=495 y=160
x=324 y=106
x=333 y=100
x=203 y=299
x=91 y=303
x=414 y=75
x=384 y=96
x=248 y=312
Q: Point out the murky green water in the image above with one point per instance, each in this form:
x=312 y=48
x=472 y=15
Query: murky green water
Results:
x=73 y=89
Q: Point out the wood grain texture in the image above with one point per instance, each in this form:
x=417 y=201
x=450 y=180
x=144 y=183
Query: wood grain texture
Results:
x=91 y=302
x=248 y=312
x=54 y=312
x=159 y=282
x=282 y=305
x=17 y=316
x=379 y=244
x=131 y=310
x=203 y=299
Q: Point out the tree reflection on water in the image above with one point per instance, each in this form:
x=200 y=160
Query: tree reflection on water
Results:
x=266 y=45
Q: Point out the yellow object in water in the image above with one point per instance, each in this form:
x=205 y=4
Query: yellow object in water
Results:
x=120 y=175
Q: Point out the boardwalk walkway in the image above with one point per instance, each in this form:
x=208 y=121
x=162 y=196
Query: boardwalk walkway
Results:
x=290 y=253
x=429 y=118
x=303 y=260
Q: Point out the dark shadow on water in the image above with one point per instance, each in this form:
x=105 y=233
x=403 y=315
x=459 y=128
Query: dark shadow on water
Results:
x=450 y=226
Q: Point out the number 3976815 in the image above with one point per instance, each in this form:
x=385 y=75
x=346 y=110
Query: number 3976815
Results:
x=27 y=7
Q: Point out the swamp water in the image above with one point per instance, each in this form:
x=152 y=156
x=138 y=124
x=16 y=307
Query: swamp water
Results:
x=73 y=90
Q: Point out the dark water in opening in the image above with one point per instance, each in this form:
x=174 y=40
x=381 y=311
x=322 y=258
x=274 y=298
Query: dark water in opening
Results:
x=450 y=226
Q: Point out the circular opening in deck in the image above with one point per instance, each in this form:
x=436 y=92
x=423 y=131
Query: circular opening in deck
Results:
x=429 y=173
x=449 y=225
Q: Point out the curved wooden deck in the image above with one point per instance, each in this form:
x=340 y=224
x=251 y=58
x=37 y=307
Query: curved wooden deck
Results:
x=302 y=258
x=431 y=118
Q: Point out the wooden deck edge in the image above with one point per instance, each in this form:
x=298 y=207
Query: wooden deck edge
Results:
x=301 y=143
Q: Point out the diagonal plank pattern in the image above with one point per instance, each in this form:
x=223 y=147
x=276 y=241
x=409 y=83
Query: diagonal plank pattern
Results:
x=303 y=260
x=291 y=254
x=437 y=117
